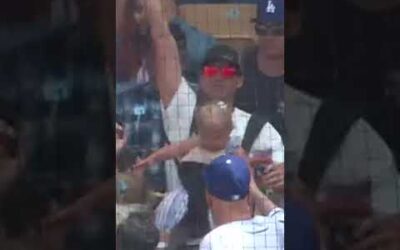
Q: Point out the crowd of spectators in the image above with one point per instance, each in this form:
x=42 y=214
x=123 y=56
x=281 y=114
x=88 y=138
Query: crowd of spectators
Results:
x=207 y=135
x=193 y=101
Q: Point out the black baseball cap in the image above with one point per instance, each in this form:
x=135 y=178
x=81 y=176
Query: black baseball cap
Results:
x=222 y=54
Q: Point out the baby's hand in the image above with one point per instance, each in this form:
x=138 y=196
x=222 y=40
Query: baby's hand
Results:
x=145 y=163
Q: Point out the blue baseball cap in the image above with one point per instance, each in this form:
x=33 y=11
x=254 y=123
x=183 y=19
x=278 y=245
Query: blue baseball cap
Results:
x=270 y=11
x=227 y=178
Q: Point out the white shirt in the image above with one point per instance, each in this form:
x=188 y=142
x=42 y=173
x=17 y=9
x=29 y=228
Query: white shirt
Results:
x=363 y=155
x=259 y=233
x=178 y=118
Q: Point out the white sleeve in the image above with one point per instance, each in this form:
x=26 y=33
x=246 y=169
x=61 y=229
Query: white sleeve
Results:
x=206 y=243
x=216 y=240
x=277 y=217
x=269 y=138
x=178 y=115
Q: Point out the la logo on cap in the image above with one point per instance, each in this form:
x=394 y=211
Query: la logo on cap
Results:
x=270 y=7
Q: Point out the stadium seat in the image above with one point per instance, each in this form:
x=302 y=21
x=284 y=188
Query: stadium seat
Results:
x=223 y=21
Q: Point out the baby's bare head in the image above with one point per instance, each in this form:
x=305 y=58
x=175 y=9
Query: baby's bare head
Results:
x=214 y=124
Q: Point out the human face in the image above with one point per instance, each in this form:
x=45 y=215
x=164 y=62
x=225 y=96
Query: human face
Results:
x=219 y=81
x=216 y=139
x=271 y=40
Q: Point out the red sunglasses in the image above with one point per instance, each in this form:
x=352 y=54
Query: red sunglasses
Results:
x=225 y=72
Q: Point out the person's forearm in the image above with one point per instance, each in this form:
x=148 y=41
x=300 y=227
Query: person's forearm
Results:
x=263 y=205
x=158 y=25
x=175 y=150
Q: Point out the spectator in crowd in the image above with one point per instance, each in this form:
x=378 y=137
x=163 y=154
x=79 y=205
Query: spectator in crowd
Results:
x=178 y=98
x=213 y=120
x=220 y=80
x=221 y=77
x=138 y=102
x=134 y=224
x=214 y=123
x=229 y=190
x=263 y=66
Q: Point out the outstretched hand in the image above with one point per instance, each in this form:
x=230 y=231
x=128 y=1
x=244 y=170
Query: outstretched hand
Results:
x=145 y=163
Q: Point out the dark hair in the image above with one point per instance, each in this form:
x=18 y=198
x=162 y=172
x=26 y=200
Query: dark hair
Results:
x=223 y=54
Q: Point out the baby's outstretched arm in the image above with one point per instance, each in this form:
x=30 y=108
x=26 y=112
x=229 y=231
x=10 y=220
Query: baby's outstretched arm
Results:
x=169 y=152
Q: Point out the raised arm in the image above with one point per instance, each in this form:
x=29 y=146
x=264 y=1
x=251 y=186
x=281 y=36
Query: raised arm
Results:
x=166 y=57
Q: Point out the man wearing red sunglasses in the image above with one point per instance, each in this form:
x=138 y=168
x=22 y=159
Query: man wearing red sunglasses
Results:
x=220 y=79
x=221 y=75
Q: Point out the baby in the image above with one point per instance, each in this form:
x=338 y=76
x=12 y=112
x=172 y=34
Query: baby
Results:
x=214 y=125
x=213 y=121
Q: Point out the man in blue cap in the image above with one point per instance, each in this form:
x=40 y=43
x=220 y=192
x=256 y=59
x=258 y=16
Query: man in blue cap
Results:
x=263 y=65
x=230 y=188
